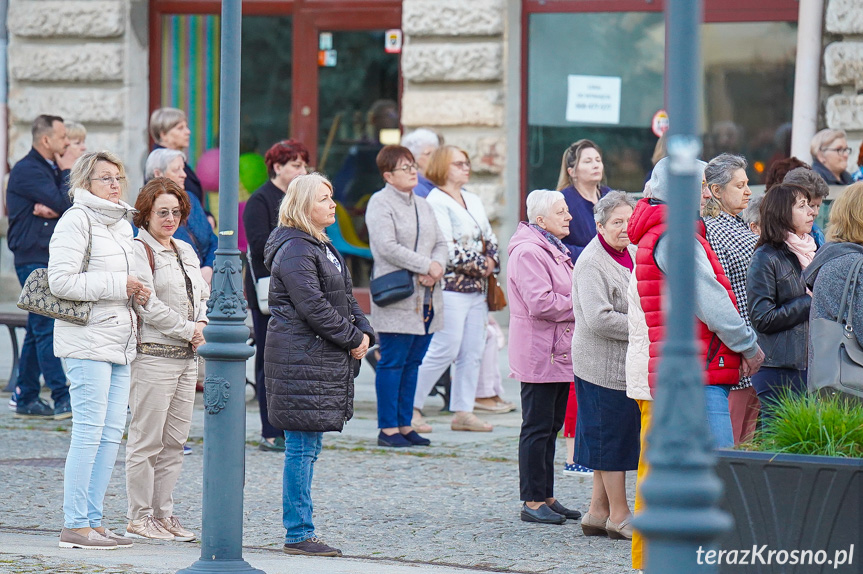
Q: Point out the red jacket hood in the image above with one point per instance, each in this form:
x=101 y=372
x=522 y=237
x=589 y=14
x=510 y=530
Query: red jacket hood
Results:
x=645 y=217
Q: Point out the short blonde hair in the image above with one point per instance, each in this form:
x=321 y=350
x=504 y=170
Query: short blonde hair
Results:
x=76 y=131
x=297 y=204
x=823 y=139
x=846 y=216
x=163 y=120
x=438 y=166
x=85 y=166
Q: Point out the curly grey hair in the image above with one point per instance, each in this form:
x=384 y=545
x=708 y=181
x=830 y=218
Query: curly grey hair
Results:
x=612 y=200
x=752 y=212
x=807 y=178
x=419 y=139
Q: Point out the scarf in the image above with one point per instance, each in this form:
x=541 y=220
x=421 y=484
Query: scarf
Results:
x=621 y=257
x=803 y=248
x=552 y=239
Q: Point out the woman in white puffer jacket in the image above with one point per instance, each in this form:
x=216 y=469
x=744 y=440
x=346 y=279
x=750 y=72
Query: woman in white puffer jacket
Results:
x=97 y=356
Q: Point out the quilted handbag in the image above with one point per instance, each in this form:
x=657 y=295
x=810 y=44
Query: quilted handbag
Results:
x=36 y=296
x=837 y=358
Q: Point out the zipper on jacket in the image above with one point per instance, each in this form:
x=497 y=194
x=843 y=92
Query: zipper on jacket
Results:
x=711 y=351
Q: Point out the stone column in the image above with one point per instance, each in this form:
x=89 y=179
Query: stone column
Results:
x=843 y=71
x=84 y=60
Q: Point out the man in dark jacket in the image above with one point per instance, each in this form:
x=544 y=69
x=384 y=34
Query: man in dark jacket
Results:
x=37 y=195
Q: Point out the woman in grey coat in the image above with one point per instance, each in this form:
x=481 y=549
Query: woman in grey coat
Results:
x=403 y=234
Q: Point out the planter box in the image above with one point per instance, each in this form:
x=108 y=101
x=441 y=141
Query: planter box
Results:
x=792 y=502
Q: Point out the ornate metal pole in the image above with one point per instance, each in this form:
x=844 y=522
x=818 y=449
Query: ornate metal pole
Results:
x=226 y=350
x=681 y=490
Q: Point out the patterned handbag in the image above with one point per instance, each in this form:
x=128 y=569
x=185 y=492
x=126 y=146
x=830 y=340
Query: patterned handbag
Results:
x=36 y=296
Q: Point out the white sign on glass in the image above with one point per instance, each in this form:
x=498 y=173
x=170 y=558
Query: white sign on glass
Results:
x=593 y=99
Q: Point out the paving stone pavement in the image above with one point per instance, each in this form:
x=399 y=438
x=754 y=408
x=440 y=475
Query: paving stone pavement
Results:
x=452 y=504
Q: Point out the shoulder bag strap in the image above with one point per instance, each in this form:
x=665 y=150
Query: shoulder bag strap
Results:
x=844 y=315
x=417 y=211
x=151 y=259
x=85 y=264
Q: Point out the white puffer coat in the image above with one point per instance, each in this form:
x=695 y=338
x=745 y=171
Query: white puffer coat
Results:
x=638 y=350
x=165 y=316
x=110 y=334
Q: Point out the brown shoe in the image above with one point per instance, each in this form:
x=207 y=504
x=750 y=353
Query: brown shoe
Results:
x=622 y=531
x=147 y=527
x=469 y=422
x=93 y=541
x=592 y=526
x=172 y=525
x=121 y=541
x=419 y=424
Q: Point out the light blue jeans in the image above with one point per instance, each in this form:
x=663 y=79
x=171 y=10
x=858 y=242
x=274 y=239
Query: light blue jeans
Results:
x=301 y=452
x=100 y=395
x=718 y=415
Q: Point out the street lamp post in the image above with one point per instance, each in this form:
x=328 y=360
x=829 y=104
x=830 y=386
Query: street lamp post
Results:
x=226 y=350
x=681 y=490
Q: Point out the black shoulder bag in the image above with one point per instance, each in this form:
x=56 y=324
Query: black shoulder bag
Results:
x=398 y=285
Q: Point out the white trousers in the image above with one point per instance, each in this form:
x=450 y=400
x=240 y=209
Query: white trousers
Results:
x=462 y=340
x=490 y=383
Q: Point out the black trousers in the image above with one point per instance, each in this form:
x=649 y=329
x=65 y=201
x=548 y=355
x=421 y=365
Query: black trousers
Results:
x=543 y=408
x=260 y=321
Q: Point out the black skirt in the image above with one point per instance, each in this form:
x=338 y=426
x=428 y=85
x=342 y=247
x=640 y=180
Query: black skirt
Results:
x=607 y=430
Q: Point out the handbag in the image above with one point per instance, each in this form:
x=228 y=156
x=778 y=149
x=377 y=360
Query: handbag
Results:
x=837 y=358
x=262 y=289
x=397 y=285
x=494 y=296
x=36 y=296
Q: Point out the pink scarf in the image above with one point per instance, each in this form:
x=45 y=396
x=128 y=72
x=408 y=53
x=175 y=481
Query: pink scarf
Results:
x=803 y=248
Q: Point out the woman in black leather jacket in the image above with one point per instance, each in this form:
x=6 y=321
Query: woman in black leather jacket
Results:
x=316 y=337
x=776 y=291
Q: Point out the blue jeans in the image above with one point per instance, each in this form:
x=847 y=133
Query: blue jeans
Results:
x=396 y=375
x=100 y=395
x=37 y=354
x=301 y=452
x=718 y=415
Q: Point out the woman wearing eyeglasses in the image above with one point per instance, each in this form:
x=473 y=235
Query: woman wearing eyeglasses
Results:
x=403 y=234
x=164 y=373
x=91 y=259
x=830 y=153
x=472 y=257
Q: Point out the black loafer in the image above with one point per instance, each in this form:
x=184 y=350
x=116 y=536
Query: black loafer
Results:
x=394 y=441
x=543 y=514
x=561 y=509
x=415 y=439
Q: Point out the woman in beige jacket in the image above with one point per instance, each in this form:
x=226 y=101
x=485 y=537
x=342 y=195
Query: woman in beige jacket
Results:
x=164 y=373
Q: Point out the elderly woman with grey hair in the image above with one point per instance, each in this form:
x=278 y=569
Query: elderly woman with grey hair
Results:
x=751 y=216
x=818 y=192
x=609 y=422
x=830 y=153
x=734 y=243
x=539 y=282
x=422 y=142
x=196 y=230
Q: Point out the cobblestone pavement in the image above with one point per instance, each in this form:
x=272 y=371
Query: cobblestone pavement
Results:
x=452 y=504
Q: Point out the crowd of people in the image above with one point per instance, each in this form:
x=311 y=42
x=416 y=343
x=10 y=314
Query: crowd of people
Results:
x=585 y=287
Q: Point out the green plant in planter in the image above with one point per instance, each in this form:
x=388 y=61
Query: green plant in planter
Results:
x=812 y=424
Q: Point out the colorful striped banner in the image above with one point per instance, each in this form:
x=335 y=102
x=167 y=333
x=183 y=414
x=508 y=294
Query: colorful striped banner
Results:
x=190 y=75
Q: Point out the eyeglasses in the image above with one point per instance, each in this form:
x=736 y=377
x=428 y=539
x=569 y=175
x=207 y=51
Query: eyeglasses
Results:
x=408 y=168
x=108 y=180
x=842 y=150
x=461 y=164
x=164 y=213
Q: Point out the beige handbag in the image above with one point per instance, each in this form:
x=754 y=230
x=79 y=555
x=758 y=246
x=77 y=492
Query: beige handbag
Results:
x=36 y=296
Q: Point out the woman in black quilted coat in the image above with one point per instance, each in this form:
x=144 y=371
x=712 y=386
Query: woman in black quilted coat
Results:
x=316 y=337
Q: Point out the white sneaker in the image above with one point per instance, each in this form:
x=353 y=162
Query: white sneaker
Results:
x=147 y=527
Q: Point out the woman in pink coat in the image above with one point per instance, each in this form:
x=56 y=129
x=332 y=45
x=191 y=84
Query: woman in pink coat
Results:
x=539 y=282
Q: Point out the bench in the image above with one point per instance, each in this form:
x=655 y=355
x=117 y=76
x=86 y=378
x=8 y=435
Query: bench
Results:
x=13 y=320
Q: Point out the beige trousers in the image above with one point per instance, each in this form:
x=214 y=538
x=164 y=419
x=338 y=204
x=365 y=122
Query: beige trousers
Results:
x=161 y=399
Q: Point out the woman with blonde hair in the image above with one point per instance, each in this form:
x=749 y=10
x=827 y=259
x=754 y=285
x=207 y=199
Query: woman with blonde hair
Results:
x=473 y=256
x=581 y=181
x=98 y=355
x=169 y=128
x=316 y=337
x=165 y=371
